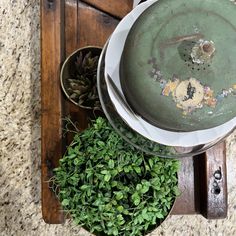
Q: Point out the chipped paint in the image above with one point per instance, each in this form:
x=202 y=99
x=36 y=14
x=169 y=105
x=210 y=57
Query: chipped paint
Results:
x=186 y=96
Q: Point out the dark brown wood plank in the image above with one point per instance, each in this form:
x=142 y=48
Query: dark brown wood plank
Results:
x=185 y=203
x=213 y=198
x=201 y=192
x=71 y=26
x=118 y=8
x=94 y=27
x=77 y=114
x=52 y=52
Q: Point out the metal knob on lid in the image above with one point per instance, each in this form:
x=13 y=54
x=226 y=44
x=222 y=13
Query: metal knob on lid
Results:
x=203 y=51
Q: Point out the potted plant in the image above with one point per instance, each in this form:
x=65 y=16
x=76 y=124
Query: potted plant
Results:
x=110 y=188
x=79 y=79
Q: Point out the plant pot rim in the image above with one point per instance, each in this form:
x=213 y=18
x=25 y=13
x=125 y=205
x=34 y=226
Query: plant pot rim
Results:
x=65 y=63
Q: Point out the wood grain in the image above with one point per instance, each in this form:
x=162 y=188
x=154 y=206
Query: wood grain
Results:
x=71 y=26
x=214 y=200
x=86 y=26
x=201 y=192
x=94 y=27
x=185 y=203
x=118 y=8
x=76 y=114
x=52 y=52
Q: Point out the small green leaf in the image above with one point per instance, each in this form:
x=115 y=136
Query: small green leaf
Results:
x=114 y=184
x=65 y=202
x=137 y=169
x=150 y=161
x=119 y=169
x=126 y=212
x=126 y=169
x=159 y=215
x=146 y=183
x=101 y=144
x=104 y=172
x=147 y=167
x=120 y=208
x=138 y=187
x=97 y=202
x=76 y=161
x=115 y=231
x=155 y=181
x=84 y=187
x=110 y=224
x=119 y=195
x=162 y=178
x=72 y=156
x=154 y=219
x=176 y=191
x=145 y=188
x=70 y=151
x=139 y=161
x=135 y=198
x=114 y=202
x=145 y=214
x=114 y=172
x=111 y=164
x=107 y=177
x=140 y=219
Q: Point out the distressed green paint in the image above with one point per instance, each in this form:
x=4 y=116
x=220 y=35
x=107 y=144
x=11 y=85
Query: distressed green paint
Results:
x=157 y=33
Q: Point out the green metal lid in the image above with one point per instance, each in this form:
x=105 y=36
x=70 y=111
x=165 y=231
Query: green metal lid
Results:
x=178 y=65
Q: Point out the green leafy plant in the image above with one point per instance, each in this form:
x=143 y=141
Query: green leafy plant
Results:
x=109 y=187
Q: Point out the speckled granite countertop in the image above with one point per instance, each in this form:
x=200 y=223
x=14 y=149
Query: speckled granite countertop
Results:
x=20 y=209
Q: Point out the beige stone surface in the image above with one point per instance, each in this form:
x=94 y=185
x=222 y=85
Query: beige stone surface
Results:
x=20 y=209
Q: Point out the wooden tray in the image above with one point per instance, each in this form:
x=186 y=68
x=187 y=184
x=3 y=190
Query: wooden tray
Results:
x=70 y=24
